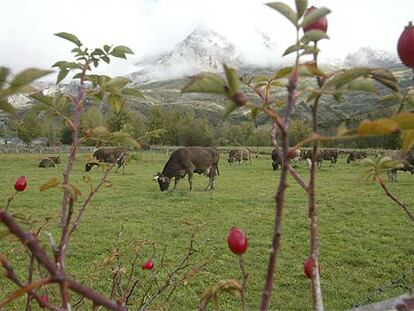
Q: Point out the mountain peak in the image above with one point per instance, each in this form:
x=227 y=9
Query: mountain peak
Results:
x=366 y=56
x=202 y=50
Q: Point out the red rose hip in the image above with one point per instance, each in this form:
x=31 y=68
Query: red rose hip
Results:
x=237 y=241
x=307 y=268
x=320 y=24
x=148 y=265
x=20 y=183
x=43 y=300
x=405 y=46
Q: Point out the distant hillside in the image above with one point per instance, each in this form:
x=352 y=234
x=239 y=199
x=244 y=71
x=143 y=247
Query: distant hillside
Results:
x=352 y=108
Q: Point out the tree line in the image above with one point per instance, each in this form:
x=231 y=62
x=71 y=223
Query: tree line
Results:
x=181 y=127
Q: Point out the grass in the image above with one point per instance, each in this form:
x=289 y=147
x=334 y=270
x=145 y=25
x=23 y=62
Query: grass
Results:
x=366 y=240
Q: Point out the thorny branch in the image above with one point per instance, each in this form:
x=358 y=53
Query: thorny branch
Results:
x=56 y=274
x=394 y=198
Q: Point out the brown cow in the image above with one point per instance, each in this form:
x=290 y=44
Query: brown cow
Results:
x=189 y=160
x=238 y=155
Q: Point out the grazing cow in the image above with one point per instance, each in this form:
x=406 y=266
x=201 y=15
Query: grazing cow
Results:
x=330 y=155
x=408 y=163
x=186 y=161
x=356 y=155
x=49 y=162
x=307 y=154
x=276 y=161
x=238 y=155
x=108 y=155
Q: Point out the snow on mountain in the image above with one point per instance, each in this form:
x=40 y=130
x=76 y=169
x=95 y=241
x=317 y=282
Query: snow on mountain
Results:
x=20 y=101
x=366 y=56
x=203 y=50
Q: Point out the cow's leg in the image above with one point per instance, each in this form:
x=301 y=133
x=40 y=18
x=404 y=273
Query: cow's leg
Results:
x=211 y=175
x=190 y=180
x=176 y=180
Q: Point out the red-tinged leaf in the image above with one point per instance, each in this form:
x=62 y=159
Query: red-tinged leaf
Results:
x=407 y=140
x=50 y=184
x=22 y=291
x=405 y=120
x=378 y=127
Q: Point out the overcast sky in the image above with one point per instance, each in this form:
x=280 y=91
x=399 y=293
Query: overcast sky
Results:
x=154 y=26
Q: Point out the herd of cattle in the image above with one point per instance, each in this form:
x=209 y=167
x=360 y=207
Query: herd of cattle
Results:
x=186 y=161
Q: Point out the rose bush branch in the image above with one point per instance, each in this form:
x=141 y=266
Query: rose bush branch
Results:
x=56 y=274
x=394 y=198
x=292 y=171
x=31 y=293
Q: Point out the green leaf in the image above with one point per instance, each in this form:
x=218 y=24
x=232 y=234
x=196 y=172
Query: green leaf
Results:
x=387 y=78
x=123 y=138
x=313 y=35
x=346 y=76
x=285 y=10
x=106 y=59
x=206 y=83
x=386 y=163
x=314 y=15
x=27 y=76
x=393 y=97
x=407 y=140
x=78 y=51
x=7 y=107
x=230 y=107
x=106 y=48
x=58 y=64
x=338 y=96
x=77 y=76
x=313 y=94
x=62 y=75
x=363 y=85
x=368 y=162
x=301 y=6
x=4 y=72
x=69 y=37
x=312 y=68
x=120 y=51
x=47 y=100
x=50 y=184
x=409 y=99
x=281 y=73
x=293 y=48
x=115 y=102
x=98 y=52
x=232 y=79
x=310 y=50
x=132 y=92
x=342 y=129
x=118 y=82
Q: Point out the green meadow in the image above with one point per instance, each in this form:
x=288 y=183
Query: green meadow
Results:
x=366 y=240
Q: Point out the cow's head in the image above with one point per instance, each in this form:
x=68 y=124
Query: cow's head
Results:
x=163 y=181
x=89 y=165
